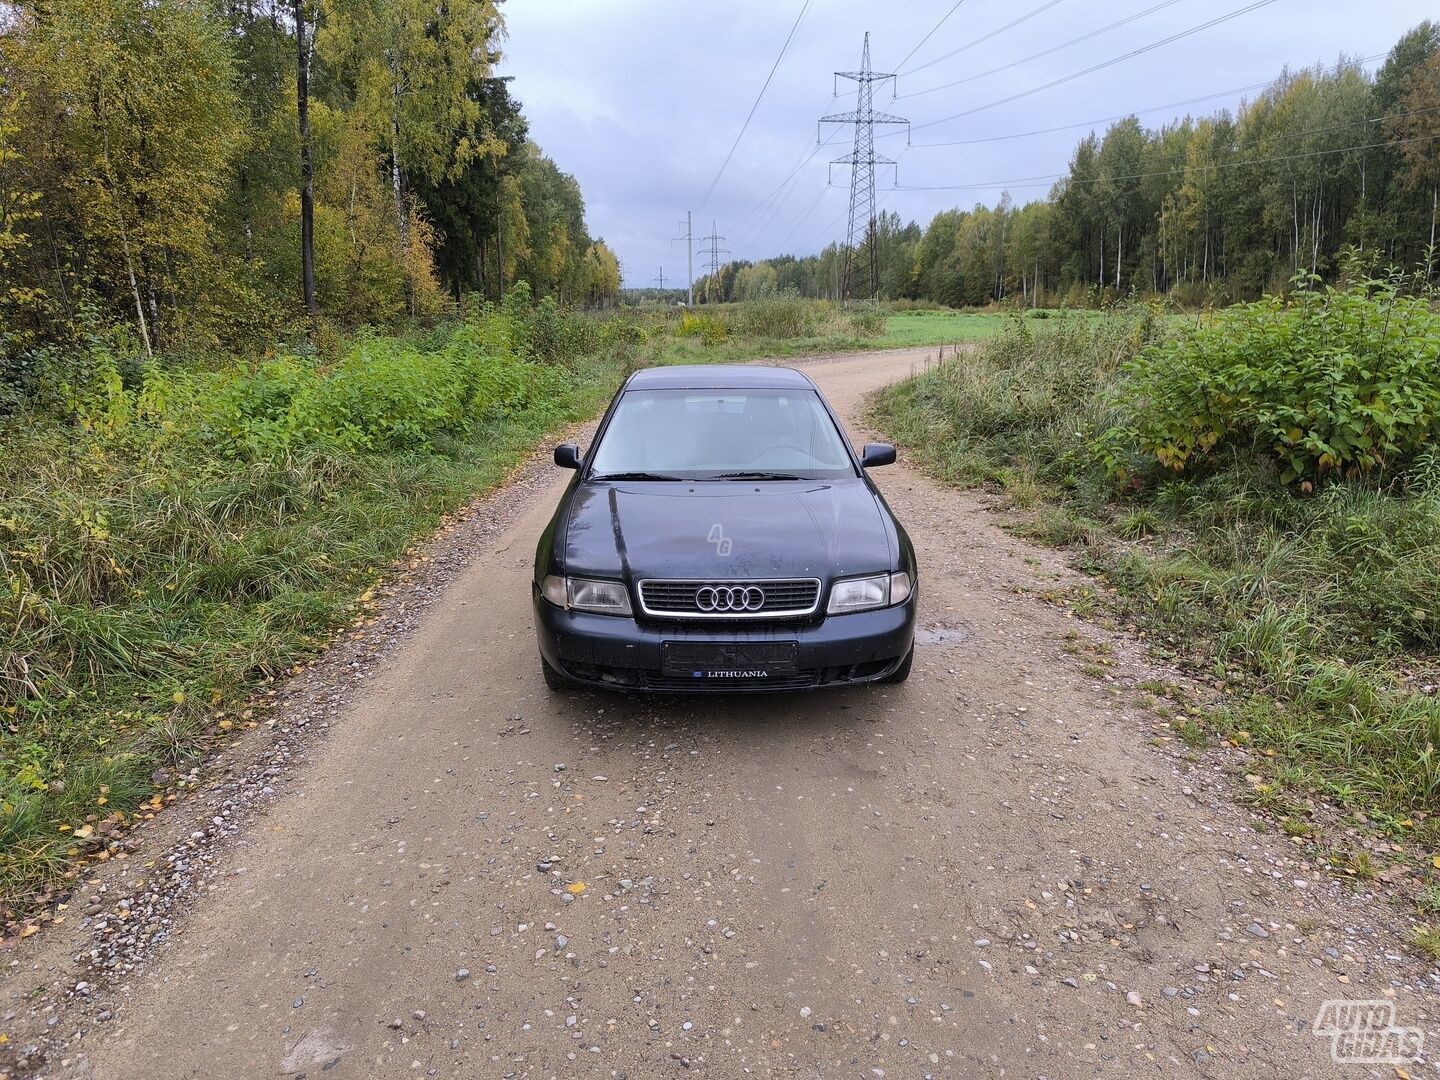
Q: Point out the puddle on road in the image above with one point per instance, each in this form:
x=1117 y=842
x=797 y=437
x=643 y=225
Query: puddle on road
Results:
x=943 y=635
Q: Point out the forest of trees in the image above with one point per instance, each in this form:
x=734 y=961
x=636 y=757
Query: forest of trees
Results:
x=198 y=172
x=1219 y=208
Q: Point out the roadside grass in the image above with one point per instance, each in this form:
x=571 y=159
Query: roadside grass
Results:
x=1315 y=603
x=163 y=561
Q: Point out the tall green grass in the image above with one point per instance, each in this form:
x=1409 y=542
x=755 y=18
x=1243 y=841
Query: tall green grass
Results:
x=185 y=535
x=1319 y=606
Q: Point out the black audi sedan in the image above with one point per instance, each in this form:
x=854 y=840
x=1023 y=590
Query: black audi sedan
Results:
x=722 y=535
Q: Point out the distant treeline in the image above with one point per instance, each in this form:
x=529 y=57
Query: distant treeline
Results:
x=1219 y=208
x=202 y=173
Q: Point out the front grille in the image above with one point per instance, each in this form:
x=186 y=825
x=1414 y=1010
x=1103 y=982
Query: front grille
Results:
x=654 y=680
x=782 y=598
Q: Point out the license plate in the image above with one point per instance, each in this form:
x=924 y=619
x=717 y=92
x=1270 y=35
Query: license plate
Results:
x=729 y=660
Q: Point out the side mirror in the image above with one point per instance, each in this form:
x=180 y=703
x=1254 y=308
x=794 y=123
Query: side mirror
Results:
x=567 y=456
x=874 y=454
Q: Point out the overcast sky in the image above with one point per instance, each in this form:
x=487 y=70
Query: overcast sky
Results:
x=642 y=99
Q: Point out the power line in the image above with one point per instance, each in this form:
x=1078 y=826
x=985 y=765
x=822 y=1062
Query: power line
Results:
x=805 y=159
x=1133 y=112
x=894 y=12
x=1034 y=181
x=1044 y=52
x=1104 y=64
x=772 y=212
x=880 y=203
x=803 y=216
x=943 y=19
x=884 y=194
x=773 y=68
x=981 y=40
x=767 y=218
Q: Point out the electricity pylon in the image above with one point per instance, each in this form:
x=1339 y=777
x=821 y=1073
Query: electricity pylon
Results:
x=714 y=240
x=711 y=251
x=862 y=162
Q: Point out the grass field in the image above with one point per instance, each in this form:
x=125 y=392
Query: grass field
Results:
x=826 y=328
x=912 y=329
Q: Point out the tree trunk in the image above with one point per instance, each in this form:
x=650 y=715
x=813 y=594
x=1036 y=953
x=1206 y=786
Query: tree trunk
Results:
x=154 y=300
x=1430 y=251
x=402 y=220
x=307 y=177
x=125 y=247
x=135 y=288
x=499 y=231
x=1119 y=252
x=1102 y=258
x=1295 y=219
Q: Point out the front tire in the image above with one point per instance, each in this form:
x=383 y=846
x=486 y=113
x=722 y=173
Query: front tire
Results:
x=901 y=673
x=553 y=679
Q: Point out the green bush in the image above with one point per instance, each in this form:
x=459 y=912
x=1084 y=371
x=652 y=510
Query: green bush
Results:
x=1342 y=380
x=868 y=322
x=384 y=394
x=778 y=317
x=709 y=328
x=1321 y=610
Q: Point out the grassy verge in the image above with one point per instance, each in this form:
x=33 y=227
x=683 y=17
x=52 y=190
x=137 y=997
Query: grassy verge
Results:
x=1308 y=585
x=187 y=536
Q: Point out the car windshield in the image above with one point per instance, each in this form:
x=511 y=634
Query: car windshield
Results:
x=721 y=435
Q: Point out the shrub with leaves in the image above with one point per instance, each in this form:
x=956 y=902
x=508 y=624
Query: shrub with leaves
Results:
x=1340 y=380
x=778 y=317
x=708 y=328
x=1320 y=610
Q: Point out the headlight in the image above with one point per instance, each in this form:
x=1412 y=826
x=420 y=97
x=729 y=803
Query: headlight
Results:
x=585 y=594
x=875 y=591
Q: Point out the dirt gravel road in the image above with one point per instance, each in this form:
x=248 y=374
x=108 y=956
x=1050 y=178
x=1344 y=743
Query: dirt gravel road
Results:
x=992 y=870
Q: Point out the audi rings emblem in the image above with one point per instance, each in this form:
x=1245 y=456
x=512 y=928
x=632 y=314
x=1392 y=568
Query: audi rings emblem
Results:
x=729 y=598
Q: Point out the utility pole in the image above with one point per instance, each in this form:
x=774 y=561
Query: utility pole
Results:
x=689 y=239
x=862 y=161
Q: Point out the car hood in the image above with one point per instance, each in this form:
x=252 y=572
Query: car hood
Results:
x=726 y=530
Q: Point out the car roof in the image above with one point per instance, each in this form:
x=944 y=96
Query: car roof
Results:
x=719 y=377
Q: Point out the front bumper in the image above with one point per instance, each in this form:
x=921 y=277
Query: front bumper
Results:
x=619 y=653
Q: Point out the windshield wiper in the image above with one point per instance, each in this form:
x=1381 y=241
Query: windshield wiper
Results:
x=755 y=475
x=635 y=476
